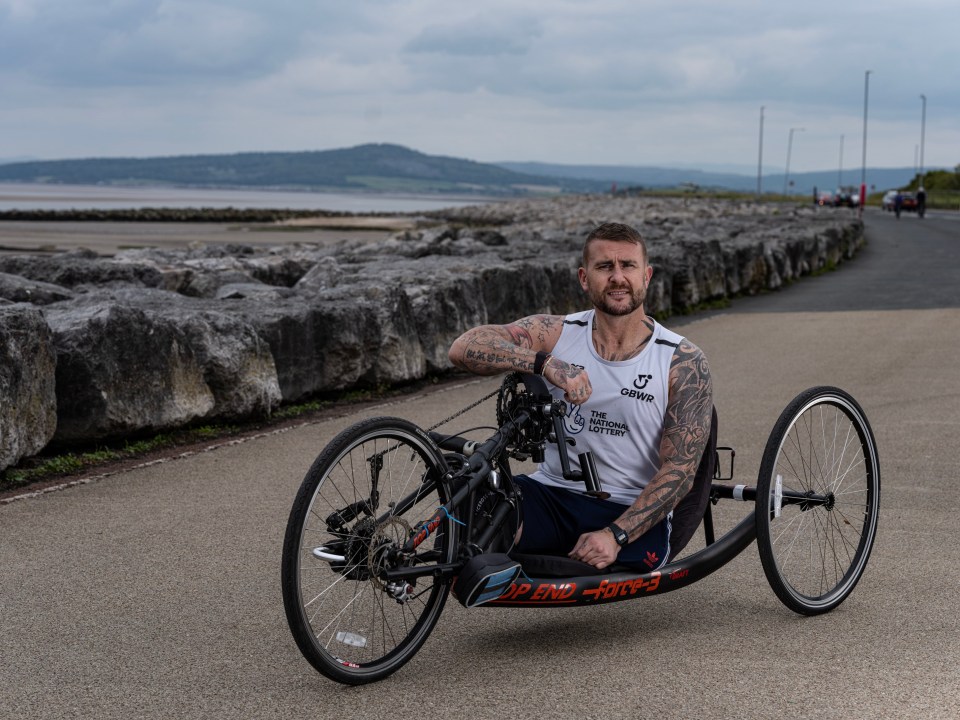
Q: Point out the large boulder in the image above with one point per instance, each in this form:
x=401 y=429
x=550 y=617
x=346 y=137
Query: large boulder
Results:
x=82 y=268
x=20 y=289
x=365 y=335
x=130 y=362
x=28 y=402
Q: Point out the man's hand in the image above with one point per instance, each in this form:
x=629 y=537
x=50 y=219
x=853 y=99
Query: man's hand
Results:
x=572 y=379
x=598 y=548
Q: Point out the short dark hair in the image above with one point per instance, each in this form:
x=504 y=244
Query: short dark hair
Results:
x=617 y=232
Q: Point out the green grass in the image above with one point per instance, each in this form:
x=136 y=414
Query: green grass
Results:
x=64 y=463
x=828 y=267
x=294 y=411
x=73 y=462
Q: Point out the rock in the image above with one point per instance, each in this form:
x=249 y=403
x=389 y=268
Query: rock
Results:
x=324 y=274
x=28 y=402
x=239 y=290
x=143 y=361
x=81 y=268
x=365 y=336
x=19 y=289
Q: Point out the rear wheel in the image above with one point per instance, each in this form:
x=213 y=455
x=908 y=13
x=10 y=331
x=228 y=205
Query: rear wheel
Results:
x=356 y=506
x=818 y=500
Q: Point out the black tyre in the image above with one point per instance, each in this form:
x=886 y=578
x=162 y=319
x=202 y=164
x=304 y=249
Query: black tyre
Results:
x=359 y=500
x=818 y=500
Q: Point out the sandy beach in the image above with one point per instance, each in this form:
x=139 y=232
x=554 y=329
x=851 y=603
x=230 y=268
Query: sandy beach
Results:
x=108 y=238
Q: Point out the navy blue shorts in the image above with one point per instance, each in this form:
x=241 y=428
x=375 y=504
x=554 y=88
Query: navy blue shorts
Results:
x=555 y=518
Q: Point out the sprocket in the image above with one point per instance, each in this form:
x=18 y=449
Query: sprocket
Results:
x=516 y=394
x=508 y=397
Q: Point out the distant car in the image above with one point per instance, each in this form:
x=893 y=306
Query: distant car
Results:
x=908 y=201
x=847 y=197
x=826 y=199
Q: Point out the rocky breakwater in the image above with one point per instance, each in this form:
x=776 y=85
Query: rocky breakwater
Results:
x=94 y=348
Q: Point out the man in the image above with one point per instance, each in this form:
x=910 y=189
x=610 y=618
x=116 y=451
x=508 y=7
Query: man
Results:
x=640 y=399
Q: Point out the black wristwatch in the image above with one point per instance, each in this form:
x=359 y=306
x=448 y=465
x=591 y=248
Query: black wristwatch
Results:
x=619 y=534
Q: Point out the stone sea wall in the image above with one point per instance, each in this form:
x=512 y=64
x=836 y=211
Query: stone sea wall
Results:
x=95 y=348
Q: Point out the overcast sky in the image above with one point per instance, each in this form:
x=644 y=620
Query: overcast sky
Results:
x=615 y=82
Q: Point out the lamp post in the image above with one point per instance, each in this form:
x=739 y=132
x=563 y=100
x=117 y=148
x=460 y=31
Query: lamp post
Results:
x=923 y=128
x=786 y=177
x=863 y=172
x=760 y=158
x=840 y=170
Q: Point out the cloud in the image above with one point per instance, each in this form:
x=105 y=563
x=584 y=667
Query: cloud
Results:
x=122 y=42
x=610 y=80
x=476 y=37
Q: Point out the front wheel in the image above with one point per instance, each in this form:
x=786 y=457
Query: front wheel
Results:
x=357 y=505
x=818 y=500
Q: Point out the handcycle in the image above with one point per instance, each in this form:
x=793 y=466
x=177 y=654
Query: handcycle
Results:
x=390 y=518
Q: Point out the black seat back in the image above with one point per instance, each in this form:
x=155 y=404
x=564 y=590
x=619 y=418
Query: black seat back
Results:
x=689 y=512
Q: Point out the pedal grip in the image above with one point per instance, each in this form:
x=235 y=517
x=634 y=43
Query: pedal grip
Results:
x=591 y=478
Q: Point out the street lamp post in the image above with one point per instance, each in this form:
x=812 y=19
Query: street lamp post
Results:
x=786 y=176
x=760 y=158
x=840 y=169
x=923 y=128
x=863 y=172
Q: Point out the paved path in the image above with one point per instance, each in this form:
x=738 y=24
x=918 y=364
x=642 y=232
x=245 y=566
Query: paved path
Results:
x=155 y=593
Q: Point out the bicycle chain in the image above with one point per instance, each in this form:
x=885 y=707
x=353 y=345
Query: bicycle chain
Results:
x=465 y=410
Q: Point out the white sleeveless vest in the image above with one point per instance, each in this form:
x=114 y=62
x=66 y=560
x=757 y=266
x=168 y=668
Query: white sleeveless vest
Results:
x=622 y=422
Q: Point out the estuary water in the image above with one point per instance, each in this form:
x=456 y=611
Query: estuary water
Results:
x=29 y=196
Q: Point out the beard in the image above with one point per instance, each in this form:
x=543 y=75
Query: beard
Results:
x=605 y=305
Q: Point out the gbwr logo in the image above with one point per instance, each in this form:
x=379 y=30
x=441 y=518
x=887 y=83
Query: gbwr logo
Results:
x=641 y=382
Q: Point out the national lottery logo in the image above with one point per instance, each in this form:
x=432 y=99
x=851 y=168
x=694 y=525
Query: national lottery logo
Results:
x=573 y=422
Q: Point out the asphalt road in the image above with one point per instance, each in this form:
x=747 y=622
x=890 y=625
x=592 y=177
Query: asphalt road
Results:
x=154 y=593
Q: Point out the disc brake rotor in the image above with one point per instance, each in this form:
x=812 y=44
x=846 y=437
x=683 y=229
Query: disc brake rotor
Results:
x=388 y=535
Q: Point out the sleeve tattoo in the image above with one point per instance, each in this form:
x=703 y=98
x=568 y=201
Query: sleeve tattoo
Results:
x=686 y=428
x=493 y=349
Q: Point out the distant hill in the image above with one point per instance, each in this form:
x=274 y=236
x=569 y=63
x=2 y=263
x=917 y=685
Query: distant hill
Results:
x=373 y=167
x=393 y=168
x=803 y=183
x=17 y=159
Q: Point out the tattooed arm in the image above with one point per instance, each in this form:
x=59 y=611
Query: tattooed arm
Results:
x=494 y=349
x=686 y=428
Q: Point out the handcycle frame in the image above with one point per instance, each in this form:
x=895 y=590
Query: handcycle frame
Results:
x=593 y=586
x=615 y=586
x=373 y=548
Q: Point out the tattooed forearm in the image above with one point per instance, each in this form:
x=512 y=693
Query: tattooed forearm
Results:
x=494 y=349
x=685 y=433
